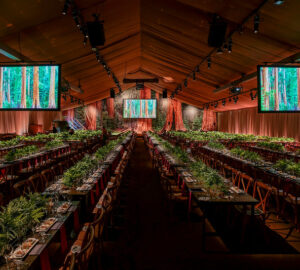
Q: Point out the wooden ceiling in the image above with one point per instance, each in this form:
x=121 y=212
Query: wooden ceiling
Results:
x=157 y=38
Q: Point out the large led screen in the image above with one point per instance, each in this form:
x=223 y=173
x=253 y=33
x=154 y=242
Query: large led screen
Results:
x=139 y=108
x=279 y=88
x=34 y=87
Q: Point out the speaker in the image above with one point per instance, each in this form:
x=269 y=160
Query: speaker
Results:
x=165 y=93
x=217 y=31
x=96 y=33
x=112 y=93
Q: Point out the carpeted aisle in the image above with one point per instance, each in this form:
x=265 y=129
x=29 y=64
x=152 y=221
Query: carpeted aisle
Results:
x=149 y=239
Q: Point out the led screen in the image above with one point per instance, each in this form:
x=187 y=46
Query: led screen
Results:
x=279 y=89
x=139 y=108
x=30 y=87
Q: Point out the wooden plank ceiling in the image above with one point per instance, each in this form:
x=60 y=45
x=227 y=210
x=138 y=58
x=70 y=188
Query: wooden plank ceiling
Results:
x=157 y=38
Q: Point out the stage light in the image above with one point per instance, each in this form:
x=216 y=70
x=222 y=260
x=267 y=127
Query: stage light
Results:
x=235 y=99
x=64 y=97
x=72 y=99
x=223 y=102
x=66 y=7
x=197 y=69
x=194 y=75
x=229 y=45
x=252 y=96
x=216 y=104
x=185 y=83
x=256 y=24
x=112 y=93
x=208 y=62
x=219 y=51
x=179 y=87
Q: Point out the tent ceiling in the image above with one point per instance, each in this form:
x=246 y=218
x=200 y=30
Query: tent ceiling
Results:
x=157 y=38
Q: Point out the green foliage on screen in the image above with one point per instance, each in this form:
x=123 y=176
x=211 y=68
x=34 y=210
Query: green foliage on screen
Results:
x=13 y=83
x=287 y=95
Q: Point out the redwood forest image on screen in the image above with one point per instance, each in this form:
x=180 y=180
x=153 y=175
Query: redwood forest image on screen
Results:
x=29 y=87
x=139 y=108
x=279 y=89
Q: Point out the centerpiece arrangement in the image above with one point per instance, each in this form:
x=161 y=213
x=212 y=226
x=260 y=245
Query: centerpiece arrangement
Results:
x=288 y=166
x=20 y=152
x=246 y=155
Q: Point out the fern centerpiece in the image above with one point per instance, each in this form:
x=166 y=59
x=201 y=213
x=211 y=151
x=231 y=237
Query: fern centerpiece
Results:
x=246 y=155
x=19 y=216
x=288 y=166
x=20 y=152
x=272 y=146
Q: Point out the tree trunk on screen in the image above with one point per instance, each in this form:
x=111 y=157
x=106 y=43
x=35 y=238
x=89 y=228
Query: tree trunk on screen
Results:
x=276 y=90
x=1 y=87
x=266 y=88
x=8 y=85
x=284 y=88
x=298 y=83
x=51 y=103
x=23 y=88
x=36 y=96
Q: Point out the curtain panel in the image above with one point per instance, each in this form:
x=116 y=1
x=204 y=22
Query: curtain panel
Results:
x=249 y=121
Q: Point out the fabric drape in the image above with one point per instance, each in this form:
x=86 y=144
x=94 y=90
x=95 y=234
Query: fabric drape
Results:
x=91 y=116
x=209 y=121
x=110 y=103
x=249 y=121
x=174 y=107
x=144 y=124
x=19 y=121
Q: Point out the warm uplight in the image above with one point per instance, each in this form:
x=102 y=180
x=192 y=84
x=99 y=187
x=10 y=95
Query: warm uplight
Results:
x=164 y=103
x=168 y=79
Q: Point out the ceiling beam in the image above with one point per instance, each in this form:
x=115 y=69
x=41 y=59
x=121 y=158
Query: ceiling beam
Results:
x=291 y=59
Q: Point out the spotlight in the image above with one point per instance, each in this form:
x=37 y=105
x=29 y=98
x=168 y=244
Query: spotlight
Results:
x=185 y=83
x=256 y=24
x=208 y=62
x=229 y=99
x=197 y=69
x=235 y=99
x=72 y=99
x=179 y=87
x=112 y=93
x=165 y=93
x=229 y=45
x=66 y=7
x=64 y=97
x=216 y=104
x=194 y=75
x=278 y=2
x=223 y=102
x=251 y=95
x=219 y=51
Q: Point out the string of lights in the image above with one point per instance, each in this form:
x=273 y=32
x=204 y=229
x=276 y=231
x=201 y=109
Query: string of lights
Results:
x=70 y=6
x=227 y=46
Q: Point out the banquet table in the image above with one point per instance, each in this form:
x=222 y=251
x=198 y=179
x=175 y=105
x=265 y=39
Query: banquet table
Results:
x=38 y=257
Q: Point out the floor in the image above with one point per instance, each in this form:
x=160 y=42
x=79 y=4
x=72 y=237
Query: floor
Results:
x=149 y=238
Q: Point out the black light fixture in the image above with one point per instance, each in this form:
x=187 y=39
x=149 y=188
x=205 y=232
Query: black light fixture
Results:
x=235 y=99
x=179 y=87
x=229 y=100
x=252 y=96
x=165 y=93
x=197 y=69
x=230 y=45
x=208 y=62
x=256 y=23
x=66 y=7
x=185 y=83
x=207 y=106
x=112 y=93
x=216 y=104
x=223 y=102
x=64 y=97
x=219 y=51
x=278 y=2
x=72 y=99
x=194 y=75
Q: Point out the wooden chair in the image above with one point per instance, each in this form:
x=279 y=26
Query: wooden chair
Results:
x=69 y=263
x=245 y=182
x=84 y=247
x=48 y=176
x=37 y=182
x=23 y=187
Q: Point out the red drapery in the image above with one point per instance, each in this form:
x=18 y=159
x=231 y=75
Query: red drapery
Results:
x=174 y=106
x=69 y=114
x=91 y=116
x=19 y=122
x=144 y=124
x=249 y=121
x=209 y=121
x=110 y=103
